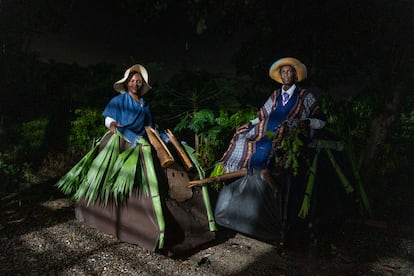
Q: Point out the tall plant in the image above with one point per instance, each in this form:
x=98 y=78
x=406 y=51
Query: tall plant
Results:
x=85 y=129
x=212 y=133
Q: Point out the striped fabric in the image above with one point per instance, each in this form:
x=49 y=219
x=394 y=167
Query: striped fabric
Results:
x=301 y=105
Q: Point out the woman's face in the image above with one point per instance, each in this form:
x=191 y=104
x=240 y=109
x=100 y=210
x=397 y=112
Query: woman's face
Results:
x=135 y=83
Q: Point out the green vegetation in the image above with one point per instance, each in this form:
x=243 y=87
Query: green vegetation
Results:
x=50 y=111
x=212 y=133
x=86 y=127
x=66 y=127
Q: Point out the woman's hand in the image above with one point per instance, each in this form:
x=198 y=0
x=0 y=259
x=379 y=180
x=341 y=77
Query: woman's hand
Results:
x=113 y=127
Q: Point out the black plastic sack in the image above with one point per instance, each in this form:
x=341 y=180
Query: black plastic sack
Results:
x=249 y=206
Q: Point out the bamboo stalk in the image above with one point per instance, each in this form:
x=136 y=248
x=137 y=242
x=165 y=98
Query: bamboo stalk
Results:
x=342 y=177
x=163 y=153
x=222 y=177
x=304 y=210
x=181 y=153
x=191 y=153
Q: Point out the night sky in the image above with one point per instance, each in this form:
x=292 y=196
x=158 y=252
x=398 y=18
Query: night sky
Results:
x=97 y=31
x=328 y=36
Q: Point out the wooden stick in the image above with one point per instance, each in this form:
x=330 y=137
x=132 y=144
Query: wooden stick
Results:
x=181 y=153
x=165 y=156
x=221 y=177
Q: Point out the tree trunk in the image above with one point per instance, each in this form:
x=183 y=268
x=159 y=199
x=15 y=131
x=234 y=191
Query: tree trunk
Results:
x=381 y=130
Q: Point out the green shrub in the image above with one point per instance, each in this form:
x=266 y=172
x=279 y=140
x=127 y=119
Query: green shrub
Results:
x=26 y=141
x=85 y=129
x=213 y=133
x=402 y=144
x=34 y=134
x=9 y=174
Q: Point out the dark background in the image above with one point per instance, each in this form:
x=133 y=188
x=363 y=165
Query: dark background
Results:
x=60 y=56
x=109 y=32
x=349 y=41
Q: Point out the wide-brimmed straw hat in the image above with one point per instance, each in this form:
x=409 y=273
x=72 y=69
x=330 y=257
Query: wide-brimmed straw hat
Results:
x=274 y=71
x=119 y=85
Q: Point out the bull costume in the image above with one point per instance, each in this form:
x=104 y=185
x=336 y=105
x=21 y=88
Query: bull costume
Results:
x=249 y=205
x=122 y=188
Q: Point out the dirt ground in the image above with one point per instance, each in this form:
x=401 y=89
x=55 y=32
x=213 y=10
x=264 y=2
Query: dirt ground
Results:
x=39 y=235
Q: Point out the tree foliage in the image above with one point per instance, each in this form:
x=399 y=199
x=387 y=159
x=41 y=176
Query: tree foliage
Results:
x=367 y=45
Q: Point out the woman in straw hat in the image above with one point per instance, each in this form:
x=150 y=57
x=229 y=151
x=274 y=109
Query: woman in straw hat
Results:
x=251 y=147
x=112 y=164
x=121 y=190
x=128 y=112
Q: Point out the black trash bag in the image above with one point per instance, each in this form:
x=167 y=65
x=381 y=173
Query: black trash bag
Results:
x=249 y=206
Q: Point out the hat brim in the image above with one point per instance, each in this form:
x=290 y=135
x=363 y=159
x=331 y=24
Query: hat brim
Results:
x=119 y=85
x=301 y=71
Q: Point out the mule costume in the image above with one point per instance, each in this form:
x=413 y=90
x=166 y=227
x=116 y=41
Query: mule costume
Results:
x=251 y=146
x=249 y=204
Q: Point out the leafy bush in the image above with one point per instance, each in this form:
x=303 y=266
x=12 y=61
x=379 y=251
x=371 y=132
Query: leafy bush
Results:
x=85 y=129
x=212 y=133
x=34 y=133
x=9 y=174
x=402 y=141
x=26 y=141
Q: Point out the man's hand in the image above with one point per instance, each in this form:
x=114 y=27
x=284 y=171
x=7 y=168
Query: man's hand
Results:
x=244 y=128
x=303 y=127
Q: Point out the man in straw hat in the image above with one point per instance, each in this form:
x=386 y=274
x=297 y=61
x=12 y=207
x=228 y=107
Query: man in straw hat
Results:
x=128 y=112
x=254 y=204
x=251 y=146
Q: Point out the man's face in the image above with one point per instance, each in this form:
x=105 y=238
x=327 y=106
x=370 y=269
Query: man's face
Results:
x=288 y=74
x=135 y=83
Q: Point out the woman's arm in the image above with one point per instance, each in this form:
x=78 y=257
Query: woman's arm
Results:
x=111 y=124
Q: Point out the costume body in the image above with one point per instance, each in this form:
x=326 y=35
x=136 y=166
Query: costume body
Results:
x=248 y=205
x=132 y=116
x=252 y=148
x=122 y=189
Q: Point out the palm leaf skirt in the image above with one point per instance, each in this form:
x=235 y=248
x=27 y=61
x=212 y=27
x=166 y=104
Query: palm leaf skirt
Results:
x=102 y=175
x=71 y=181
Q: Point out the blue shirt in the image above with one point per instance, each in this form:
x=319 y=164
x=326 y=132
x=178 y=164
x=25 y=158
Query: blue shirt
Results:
x=132 y=116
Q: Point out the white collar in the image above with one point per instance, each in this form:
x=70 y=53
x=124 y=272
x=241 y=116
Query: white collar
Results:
x=290 y=90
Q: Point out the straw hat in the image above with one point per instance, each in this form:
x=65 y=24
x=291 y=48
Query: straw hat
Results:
x=274 y=71
x=119 y=85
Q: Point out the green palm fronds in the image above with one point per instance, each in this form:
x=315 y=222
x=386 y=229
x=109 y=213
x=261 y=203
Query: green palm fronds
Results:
x=347 y=186
x=142 y=175
x=152 y=183
x=365 y=205
x=122 y=179
x=191 y=153
x=304 y=210
x=70 y=182
x=90 y=187
x=218 y=170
